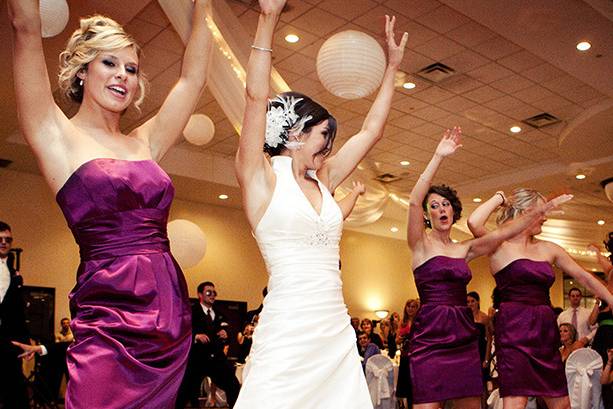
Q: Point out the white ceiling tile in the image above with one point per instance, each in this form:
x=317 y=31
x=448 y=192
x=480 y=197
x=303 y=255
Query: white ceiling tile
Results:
x=551 y=104
x=483 y=94
x=347 y=10
x=534 y=93
x=465 y=61
x=512 y=83
x=298 y=64
x=318 y=22
x=443 y=19
x=142 y=30
x=418 y=34
x=439 y=48
x=520 y=61
x=490 y=72
x=429 y=129
x=582 y=94
x=433 y=95
x=414 y=62
x=495 y=48
x=412 y=8
x=460 y=83
x=430 y=113
x=295 y=9
x=470 y=34
x=154 y=14
x=306 y=38
x=561 y=84
x=542 y=73
x=406 y=121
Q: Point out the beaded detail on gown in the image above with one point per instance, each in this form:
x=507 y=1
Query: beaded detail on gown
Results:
x=527 y=335
x=304 y=351
x=444 y=349
x=130 y=314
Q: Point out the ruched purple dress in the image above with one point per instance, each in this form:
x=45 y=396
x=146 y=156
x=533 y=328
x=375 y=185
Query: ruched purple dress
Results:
x=527 y=336
x=444 y=349
x=130 y=314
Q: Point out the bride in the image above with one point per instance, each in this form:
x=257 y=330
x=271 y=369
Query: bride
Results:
x=304 y=351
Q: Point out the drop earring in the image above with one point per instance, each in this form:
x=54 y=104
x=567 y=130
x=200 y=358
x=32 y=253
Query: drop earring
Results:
x=81 y=82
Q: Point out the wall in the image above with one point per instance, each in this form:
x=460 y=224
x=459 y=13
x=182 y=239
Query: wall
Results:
x=376 y=270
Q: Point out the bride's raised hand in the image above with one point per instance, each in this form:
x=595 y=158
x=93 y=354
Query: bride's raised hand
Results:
x=395 y=52
x=273 y=7
x=450 y=142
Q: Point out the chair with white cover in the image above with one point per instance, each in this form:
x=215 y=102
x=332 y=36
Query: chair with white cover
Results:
x=583 y=369
x=380 y=380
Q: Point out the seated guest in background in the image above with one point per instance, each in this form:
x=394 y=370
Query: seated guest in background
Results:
x=384 y=330
x=65 y=334
x=12 y=326
x=578 y=316
x=355 y=323
x=207 y=357
x=244 y=340
x=366 y=326
x=366 y=348
x=483 y=324
x=568 y=339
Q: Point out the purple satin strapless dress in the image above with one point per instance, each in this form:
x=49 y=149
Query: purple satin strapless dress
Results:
x=527 y=336
x=444 y=345
x=130 y=314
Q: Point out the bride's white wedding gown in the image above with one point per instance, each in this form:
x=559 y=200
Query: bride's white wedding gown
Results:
x=304 y=351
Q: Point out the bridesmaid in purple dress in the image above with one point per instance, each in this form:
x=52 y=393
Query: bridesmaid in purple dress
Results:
x=527 y=337
x=444 y=347
x=130 y=312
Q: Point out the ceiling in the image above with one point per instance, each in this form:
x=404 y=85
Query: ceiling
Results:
x=510 y=63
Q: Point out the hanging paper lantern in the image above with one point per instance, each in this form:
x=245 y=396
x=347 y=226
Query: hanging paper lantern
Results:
x=187 y=242
x=53 y=17
x=199 y=130
x=350 y=64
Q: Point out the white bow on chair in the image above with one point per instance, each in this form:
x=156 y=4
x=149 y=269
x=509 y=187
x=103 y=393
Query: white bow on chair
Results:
x=380 y=370
x=581 y=367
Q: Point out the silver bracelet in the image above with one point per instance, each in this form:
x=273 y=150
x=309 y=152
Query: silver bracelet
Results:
x=255 y=47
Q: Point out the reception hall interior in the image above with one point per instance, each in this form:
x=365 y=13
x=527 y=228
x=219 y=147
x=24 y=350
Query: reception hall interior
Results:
x=534 y=102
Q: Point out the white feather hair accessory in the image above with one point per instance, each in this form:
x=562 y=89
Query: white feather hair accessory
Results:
x=283 y=122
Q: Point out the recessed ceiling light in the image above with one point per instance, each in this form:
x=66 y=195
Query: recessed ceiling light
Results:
x=593 y=269
x=477 y=199
x=408 y=85
x=584 y=46
x=600 y=222
x=571 y=283
x=394 y=229
x=292 y=38
x=223 y=197
x=580 y=176
x=405 y=162
x=454 y=240
x=515 y=129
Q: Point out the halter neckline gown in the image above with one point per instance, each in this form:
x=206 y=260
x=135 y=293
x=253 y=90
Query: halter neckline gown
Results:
x=304 y=351
x=527 y=335
x=444 y=346
x=130 y=314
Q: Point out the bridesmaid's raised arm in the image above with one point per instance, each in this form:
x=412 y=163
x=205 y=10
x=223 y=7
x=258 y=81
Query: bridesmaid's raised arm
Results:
x=40 y=119
x=165 y=128
x=478 y=218
x=339 y=166
x=416 y=227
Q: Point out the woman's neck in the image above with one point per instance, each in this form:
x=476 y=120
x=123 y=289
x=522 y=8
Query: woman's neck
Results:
x=95 y=118
x=442 y=236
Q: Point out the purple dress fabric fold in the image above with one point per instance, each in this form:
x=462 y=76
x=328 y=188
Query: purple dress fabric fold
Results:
x=444 y=349
x=527 y=336
x=130 y=313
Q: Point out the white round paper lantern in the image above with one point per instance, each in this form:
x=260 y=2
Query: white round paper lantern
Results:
x=199 y=130
x=187 y=242
x=53 y=17
x=350 y=64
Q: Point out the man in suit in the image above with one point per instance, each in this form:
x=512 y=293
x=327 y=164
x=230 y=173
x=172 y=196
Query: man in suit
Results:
x=12 y=326
x=207 y=357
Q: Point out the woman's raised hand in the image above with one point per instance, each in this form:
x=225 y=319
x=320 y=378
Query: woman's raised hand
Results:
x=450 y=142
x=272 y=6
x=395 y=51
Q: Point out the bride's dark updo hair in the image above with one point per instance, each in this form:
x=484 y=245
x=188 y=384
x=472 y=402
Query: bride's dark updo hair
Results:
x=304 y=108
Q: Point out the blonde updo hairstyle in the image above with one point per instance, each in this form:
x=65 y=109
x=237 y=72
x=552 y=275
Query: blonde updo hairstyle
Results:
x=516 y=204
x=96 y=34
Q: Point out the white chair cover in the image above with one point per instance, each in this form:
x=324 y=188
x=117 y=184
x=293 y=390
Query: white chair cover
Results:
x=380 y=380
x=583 y=369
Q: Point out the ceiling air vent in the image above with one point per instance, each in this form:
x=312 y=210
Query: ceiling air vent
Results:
x=387 y=178
x=436 y=72
x=541 y=120
x=4 y=163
